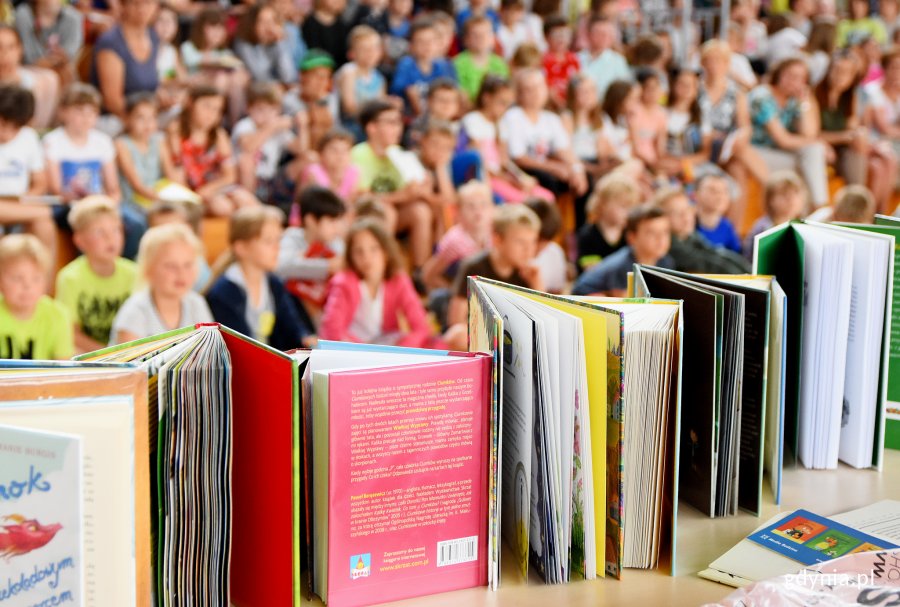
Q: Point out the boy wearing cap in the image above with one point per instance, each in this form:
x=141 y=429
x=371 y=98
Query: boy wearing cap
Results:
x=317 y=109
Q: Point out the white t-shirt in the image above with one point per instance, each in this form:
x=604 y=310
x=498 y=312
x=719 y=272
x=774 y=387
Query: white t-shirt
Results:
x=552 y=263
x=618 y=137
x=783 y=44
x=528 y=30
x=877 y=99
x=537 y=140
x=138 y=315
x=19 y=158
x=484 y=132
x=81 y=166
x=270 y=152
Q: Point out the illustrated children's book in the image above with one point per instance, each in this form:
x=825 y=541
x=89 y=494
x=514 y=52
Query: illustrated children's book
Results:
x=40 y=518
x=399 y=477
x=105 y=408
x=572 y=469
x=839 y=287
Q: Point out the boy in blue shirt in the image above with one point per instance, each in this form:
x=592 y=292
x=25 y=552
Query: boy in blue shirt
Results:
x=713 y=199
x=423 y=65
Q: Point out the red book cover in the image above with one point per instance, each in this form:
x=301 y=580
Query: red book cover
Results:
x=408 y=480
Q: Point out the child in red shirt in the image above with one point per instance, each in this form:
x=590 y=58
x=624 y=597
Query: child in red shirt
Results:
x=560 y=63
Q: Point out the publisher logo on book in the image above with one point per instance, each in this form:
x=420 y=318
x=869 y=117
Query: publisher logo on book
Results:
x=360 y=566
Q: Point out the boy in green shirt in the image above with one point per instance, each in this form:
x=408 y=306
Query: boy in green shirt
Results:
x=387 y=171
x=32 y=325
x=478 y=60
x=95 y=285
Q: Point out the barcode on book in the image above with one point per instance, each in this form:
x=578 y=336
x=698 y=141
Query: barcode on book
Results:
x=460 y=550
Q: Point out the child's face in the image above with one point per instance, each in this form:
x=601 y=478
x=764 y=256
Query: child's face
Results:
x=437 y=149
x=651 y=91
x=401 y=7
x=872 y=50
x=480 y=38
x=142 y=121
x=518 y=246
x=10 y=49
x=859 y=9
x=444 y=33
x=386 y=129
x=475 y=213
x=559 y=39
x=682 y=216
x=316 y=82
x=842 y=73
x=444 y=104
x=263 y=113
x=424 y=45
x=22 y=283
x=602 y=36
x=166 y=25
x=614 y=213
x=207 y=112
x=496 y=105
x=102 y=240
x=532 y=93
x=323 y=229
x=794 y=80
x=367 y=52
x=787 y=204
x=334 y=7
x=367 y=257
x=685 y=87
x=79 y=119
x=336 y=154
x=888 y=10
x=8 y=131
x=262 y=251
x=215 y=35
x=586 y=95
x=173 y=271
x=713 y=196
x=651 y=240
x=511 y=15
x=268 y=28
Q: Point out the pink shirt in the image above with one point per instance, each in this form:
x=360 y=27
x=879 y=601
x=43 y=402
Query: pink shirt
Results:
x=349 y=182
x=650 y=123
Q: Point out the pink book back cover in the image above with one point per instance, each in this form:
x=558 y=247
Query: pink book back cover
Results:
x=408 y=480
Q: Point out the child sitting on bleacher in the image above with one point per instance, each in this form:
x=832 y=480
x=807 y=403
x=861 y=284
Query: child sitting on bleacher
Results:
x=713 y=199
x=470 y=235
x=260 y=140
x=189 y=214
x=607 y=211
x=359 y=80
x=202 y=154
x=334 y=169
x=168 y=264
x=422 y=66
x=550 y=258
x=139 y=151
x=32 y=325
x=786 y=198
x=247 y=296
x=373 y=300
x=310 y=255
x=95 y=285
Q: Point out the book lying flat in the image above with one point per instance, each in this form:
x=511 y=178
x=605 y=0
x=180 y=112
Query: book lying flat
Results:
x=751 y=561
x=399 y=475
x=562 y=371
x=105 y=406
x=839 y=287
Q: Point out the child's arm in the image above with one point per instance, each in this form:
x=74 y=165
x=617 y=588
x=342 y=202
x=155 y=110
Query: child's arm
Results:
x=111 y=181
x=415 y=99
x=83 y=343
x=38 y=183
x=227 y=170
x=170 y=171
x=347 y=91
x=124 y=336
x=54 y=178
x=410 y=306
x=126 y=165
x=251 y=142
x=338 y=314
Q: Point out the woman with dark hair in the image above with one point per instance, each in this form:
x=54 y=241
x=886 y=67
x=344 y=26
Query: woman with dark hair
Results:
x=688 y=133
x=883 y=107
x=125 y=56
x=619 y=104
x=52 y=34
x=821 y=44
x=785 y=120
x=263 y=48
x=859 y=160
x=43 y=83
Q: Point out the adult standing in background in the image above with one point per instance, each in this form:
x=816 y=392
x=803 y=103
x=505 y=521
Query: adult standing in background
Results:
x=52 y=34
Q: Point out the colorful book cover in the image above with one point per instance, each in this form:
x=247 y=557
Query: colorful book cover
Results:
x=40 y=518
x=809 y=538
x=407 y=480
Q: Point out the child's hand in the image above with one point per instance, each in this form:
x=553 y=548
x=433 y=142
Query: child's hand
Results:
x=335 y=265
x=532 y=275
x=310 y=341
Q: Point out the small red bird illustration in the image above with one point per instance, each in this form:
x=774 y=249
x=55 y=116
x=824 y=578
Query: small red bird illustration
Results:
x=24 y=536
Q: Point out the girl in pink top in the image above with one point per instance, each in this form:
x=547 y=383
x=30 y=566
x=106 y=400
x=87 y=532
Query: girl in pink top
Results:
x=373 y=300
x=649 y=119
x=334 y=170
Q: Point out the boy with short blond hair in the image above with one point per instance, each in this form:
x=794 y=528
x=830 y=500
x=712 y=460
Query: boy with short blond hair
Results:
x=359 y=80
x=514 y=246
x=95 y=285
x=32 y=325
x=479 y=59
x=607 y=210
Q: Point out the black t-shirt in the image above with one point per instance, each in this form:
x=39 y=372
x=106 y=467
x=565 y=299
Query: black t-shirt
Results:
x=330 y=38
x=480 y=265
x=592 y=246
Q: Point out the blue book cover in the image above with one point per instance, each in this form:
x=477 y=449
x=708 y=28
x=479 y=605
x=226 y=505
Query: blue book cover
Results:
x=809 y=538
x=40 y=518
